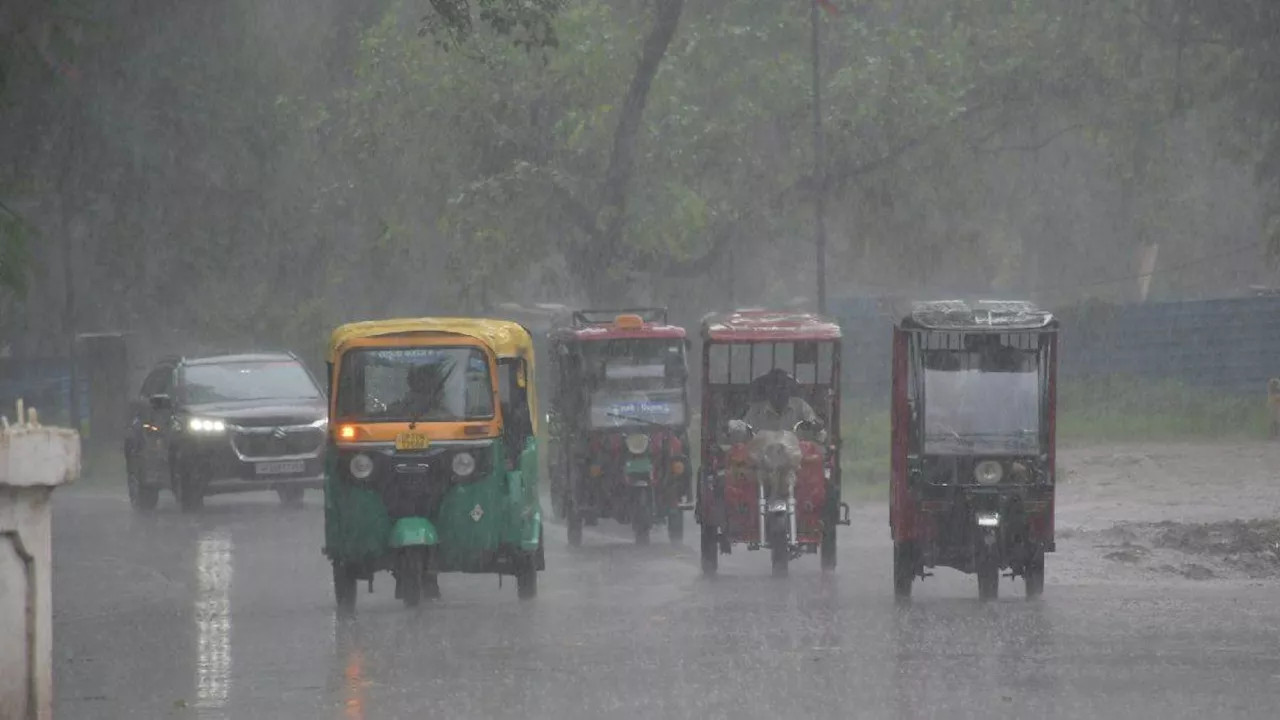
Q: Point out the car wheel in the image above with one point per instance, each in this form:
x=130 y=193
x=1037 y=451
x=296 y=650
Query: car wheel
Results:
x=291 y=497
x=187 y=491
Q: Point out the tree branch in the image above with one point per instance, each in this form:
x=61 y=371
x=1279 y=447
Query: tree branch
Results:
x=1031 y=147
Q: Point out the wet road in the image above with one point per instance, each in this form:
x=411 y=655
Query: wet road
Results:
x=230 y=615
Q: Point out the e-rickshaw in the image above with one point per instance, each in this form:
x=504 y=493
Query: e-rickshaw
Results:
x=432 y=455
x=619 y=421
x=974 y=395
x=770 y=474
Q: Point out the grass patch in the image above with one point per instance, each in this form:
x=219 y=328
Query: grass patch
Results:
x=1125 y=409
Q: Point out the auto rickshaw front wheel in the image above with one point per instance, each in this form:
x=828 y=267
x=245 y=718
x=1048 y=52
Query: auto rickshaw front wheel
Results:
x=779 y=545
x=988 y=579
x=291 y=497
x=410 y=575
x=344 y=587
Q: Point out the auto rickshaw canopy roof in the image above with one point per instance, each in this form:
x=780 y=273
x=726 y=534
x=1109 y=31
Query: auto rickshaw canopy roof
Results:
x=978 y=316
x=507 y=339
x=767 y=326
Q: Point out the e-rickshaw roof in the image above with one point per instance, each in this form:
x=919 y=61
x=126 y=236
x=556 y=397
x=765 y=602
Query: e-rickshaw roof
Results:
x=977 y=316
x=642 y=323
x=767 y=326
x=506 y=338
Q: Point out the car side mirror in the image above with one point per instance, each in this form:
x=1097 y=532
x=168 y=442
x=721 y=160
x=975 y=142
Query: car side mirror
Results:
x=161 y=401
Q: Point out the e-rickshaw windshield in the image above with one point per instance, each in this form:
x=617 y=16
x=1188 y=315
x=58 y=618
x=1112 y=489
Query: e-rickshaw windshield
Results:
x=634 y=380
x=973 y=408
x=415 y=384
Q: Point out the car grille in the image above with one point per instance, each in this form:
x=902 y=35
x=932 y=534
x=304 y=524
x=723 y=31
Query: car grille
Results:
x=269 y=444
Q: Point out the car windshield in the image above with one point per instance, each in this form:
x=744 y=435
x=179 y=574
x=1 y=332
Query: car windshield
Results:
x=972 y=411
x=243 y=381
x=636 y=381
x=428 y=384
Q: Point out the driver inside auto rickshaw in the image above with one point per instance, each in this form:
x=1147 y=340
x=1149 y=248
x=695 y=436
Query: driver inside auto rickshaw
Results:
x=425 y=399
x=779 y=409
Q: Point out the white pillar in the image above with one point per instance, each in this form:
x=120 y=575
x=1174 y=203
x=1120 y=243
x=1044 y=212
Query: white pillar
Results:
x=33 y=461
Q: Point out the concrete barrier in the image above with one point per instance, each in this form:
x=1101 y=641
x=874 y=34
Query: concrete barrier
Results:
x=33 y=461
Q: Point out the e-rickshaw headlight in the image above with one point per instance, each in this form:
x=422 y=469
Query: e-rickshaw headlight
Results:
x=988 y=472
x=464 y=463
x=361 y=466
x=637 y=443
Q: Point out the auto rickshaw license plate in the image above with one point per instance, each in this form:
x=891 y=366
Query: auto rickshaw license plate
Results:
x=411 y=441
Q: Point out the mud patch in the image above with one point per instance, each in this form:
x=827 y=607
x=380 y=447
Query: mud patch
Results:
x=1129 y=554
x=1252 y=546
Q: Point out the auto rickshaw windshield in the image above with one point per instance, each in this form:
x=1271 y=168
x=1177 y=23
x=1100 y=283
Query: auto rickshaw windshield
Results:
x=971 y=409
x=424 y=384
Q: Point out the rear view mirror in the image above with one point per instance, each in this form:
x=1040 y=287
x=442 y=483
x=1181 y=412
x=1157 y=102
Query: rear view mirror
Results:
x=161 y=401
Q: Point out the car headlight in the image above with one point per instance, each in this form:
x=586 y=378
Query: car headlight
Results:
x=988 y=472
x=637 y=443
x=361 y=466
x=464 y=463
x=202 y=425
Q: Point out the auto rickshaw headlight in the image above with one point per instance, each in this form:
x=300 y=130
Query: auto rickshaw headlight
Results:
x=464 y=463
x=361 y=466
x=988 y=472
x=677 y=467
x=637 y=443
x=595 y=471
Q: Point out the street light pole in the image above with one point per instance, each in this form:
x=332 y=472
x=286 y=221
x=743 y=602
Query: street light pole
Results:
x=819 y=164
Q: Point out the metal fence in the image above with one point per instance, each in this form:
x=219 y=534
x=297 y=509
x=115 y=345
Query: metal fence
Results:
x=1229 y=346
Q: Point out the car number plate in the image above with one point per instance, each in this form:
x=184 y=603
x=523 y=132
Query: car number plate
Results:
x=412 y=441
x=284 y=467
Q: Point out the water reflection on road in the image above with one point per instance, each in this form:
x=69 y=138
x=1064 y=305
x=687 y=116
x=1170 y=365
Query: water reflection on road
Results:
x=212 y=614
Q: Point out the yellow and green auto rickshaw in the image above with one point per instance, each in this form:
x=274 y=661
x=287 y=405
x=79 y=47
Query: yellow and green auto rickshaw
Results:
x=432 y=459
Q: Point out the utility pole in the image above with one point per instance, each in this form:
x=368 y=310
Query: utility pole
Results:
x=819 y=163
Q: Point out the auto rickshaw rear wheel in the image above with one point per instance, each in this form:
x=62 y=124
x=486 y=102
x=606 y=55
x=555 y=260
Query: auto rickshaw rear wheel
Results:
x=904 y=569
x=344 y=587
x=527 y=572
x=1034 y=576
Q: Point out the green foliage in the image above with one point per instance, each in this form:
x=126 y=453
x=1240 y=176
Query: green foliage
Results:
x=1122 y=409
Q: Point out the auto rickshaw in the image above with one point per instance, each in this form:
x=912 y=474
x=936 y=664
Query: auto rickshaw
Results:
x=432 y=462
x=770 y=474
x=619 y=421
x=974 y=394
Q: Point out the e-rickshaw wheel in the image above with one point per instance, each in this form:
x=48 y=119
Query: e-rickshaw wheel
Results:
x=344 y=587
x=779 y=545
x=988 y=580
x=904 y=569
x=642 y=515
x=675 y=526
x=142 y=497
x=575 y=526
x=1034 y=576
x=710 y=548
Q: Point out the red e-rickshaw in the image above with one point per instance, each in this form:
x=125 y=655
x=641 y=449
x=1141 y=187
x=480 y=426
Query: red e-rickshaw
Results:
x=974 y=395
x=618 y=426
x=775 y=487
